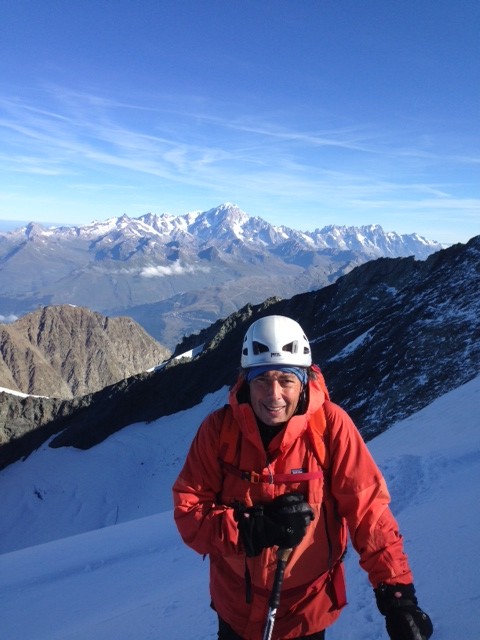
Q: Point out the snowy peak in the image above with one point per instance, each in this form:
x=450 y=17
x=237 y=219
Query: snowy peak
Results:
x=374 y=240
x=194 y=268
x=228 y=222
x=225 y=222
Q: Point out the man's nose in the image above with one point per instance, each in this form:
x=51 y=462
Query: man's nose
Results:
x=274 y=388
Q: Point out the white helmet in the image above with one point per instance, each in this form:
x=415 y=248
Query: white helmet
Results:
x=275 y=340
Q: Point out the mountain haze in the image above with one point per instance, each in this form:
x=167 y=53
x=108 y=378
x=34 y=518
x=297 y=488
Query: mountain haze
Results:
x=176 y=275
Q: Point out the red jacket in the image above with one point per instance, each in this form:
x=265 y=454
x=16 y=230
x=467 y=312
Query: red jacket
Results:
x=352 y=495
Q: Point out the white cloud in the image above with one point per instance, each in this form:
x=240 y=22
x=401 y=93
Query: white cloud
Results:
x=175 y=269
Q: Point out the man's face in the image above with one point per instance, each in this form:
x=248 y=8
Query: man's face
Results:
x=274 y=396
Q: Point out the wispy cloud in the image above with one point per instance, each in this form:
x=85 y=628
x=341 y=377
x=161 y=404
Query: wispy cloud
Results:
x=89 y=135
x=352 y=138
x=90 y=130
x=34 y=165
x=88 y=141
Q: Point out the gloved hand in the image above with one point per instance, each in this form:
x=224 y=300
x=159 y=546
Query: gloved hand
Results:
x=282 y=522
x=404 y=619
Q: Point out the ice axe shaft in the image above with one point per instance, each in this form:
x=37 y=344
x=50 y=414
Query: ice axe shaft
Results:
x=274 y=602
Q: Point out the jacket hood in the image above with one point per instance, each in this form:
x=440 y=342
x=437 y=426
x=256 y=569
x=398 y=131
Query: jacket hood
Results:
x=242 y=409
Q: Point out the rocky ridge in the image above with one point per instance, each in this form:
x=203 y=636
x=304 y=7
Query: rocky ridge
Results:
x=64 y=351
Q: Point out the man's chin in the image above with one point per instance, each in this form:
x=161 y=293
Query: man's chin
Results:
x=274 y=420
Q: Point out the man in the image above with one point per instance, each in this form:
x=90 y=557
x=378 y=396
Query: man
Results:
x=282 y=467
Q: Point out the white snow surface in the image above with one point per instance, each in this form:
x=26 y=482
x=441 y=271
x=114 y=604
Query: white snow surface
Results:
x=75 y=575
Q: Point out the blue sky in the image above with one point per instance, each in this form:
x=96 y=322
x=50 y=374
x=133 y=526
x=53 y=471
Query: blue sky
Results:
x=305 y=113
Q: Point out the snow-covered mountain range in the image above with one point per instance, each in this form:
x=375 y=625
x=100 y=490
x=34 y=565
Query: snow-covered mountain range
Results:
x=175 y=275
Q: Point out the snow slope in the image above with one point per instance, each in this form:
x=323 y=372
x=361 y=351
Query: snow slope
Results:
x=135 y=580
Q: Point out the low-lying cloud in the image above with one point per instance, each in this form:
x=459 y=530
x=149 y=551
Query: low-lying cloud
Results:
x=175 y=269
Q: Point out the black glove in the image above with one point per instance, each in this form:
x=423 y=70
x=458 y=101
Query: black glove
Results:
x=404 y=619
x=282 y=522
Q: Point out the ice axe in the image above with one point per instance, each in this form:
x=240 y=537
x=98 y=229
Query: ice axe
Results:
x=282 y=559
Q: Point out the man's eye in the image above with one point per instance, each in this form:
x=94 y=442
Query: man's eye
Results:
x=281 y=381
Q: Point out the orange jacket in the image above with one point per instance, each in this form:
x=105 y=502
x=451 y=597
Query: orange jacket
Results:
x=352 y=495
